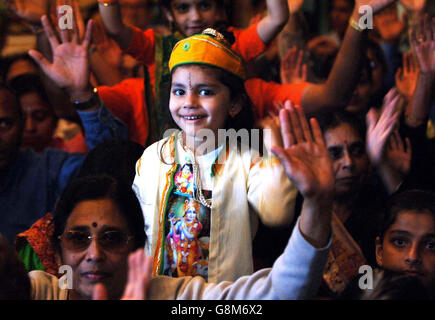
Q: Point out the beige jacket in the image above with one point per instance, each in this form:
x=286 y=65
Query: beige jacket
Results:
x=244 y=189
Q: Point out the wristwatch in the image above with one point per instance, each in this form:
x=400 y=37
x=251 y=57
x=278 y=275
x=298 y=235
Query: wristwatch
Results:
x=93 y=102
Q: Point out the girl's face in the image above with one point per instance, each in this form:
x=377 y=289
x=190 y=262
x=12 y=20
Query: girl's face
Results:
x=193 y=16
x=349 y=158
x=409 y=246
x=199 y=100
x=102 y=259
x=39 y=122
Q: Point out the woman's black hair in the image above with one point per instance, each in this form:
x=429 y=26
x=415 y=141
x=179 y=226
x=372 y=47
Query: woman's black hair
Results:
x=418 y=201
x=387 y=285
x=27 y=83
x=334 y=119
x=95 y=188
x=114 y=158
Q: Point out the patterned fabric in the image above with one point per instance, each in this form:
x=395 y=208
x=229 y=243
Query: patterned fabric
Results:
x=39 y=238
x=344 y=259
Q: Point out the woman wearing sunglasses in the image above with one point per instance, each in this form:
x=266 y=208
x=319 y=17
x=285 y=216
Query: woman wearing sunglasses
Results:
x=97 y=223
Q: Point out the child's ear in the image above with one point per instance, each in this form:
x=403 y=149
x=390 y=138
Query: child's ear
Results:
x=379 y=251
x=236 y=107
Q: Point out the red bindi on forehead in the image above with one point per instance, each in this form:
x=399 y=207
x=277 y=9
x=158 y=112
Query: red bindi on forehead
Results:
x=94 y=224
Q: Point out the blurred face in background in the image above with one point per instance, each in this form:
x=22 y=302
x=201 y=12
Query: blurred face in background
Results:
x=39 y=121
x=349 y=159
x=340 y=15
x=136 y=12
x=10 y=129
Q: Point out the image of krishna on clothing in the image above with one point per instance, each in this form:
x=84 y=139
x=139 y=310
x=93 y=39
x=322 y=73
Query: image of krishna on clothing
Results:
x=187 y=230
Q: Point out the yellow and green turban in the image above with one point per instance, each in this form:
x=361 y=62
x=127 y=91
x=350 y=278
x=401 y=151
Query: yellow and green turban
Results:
x=209 y=48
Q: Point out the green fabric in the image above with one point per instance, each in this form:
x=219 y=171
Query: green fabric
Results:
x=159 y=111
x=30 y=258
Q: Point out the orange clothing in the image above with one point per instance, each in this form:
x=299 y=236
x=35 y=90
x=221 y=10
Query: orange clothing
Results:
x=264 y=94
x=127 y=102
x=143 y=46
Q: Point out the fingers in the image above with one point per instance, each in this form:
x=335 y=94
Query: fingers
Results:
x=286 y=129
x=371 y=119
x=317 y=132
x=284 y=159
x=306 y=132
x=51 y=35
x=88 y=35
x=427 y=27
x=43 y=63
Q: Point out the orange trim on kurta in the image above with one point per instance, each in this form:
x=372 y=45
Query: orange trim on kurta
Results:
x=163 y=204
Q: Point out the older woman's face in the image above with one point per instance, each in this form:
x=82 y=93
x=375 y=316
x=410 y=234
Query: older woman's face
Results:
x=349 y=158
x=103 y=259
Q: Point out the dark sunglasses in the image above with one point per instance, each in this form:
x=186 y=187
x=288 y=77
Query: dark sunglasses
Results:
x=111 y=240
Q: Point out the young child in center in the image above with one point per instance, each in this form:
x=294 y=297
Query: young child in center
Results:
x=187 y=17
x=201 y=198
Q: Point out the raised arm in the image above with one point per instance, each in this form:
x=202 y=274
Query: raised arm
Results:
x=424 y=48
x=70 y=71
x=337 y=91
x=276 y=18
x=379 y=133
x=110 y=12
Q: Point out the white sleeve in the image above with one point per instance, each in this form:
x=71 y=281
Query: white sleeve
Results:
x=295 y=275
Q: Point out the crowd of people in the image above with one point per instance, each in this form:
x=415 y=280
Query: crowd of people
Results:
x=209 y=152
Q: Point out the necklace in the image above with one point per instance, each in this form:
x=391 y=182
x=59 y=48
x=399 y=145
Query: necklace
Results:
x=197 y=195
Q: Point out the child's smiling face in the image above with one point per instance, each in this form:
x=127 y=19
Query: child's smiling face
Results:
x=408 y=246
x=199 y=100
x=193 y=16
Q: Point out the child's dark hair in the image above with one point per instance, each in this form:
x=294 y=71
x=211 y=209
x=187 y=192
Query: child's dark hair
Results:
x=333 y=120
x=418 y=201
x=94 y=188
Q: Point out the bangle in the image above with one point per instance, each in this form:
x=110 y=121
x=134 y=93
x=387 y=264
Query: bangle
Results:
x=108 y=3
x=355 y=25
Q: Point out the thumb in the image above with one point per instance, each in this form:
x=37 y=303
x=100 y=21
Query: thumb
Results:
x=371 y=119
x=283 y=158
x=40 y=60
x=99 y=292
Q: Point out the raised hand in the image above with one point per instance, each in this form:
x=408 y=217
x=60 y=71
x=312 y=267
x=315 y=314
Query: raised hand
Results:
x=292 y=68
x=379 y=128
x=139 y=277
x=377 y=5
x=399 y=157
x=70 y=66
x=305 y=157
x=422 y=39
x=415 y=5
x=406 y=77
x=389 y=25
x=30 y=11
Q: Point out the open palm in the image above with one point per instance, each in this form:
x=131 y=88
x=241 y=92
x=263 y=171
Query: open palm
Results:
x=305 y=157
x=70 y=66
